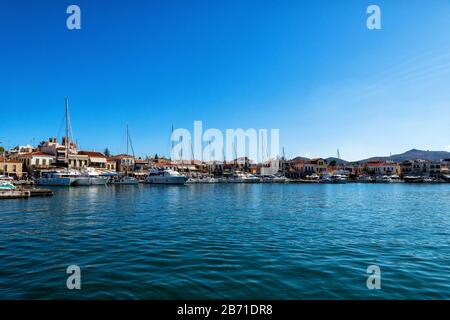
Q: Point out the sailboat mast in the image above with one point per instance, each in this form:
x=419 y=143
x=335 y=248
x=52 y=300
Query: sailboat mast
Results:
x=126 y=167
x=67 y=143
x=171 y=146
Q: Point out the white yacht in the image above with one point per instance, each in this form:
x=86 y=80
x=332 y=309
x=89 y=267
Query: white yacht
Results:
x=365 y=178
x=126 y=180
x=243 y=177
x=338 y=178
x=56 y=178
x=94 y=178
x=165 y=176
x=326 y=178
x=282 y=179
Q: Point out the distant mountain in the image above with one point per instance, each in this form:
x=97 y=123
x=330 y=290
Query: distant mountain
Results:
x=300 y=158
x=413 y=154
x=338 y=161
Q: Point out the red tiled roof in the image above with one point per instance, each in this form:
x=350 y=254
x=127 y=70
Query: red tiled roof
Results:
x=94 y=154
x=37 y=153
x=120 y=156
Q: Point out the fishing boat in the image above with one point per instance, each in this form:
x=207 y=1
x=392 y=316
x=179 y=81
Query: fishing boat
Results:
x=165 y=176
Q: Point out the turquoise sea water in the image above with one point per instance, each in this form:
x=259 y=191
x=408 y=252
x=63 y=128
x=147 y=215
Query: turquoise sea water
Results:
x=236 y=241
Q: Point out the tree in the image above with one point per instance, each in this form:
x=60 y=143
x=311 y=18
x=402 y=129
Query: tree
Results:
x=2 y=149
x=156 y=156
x=41 y=144
x=107 y=152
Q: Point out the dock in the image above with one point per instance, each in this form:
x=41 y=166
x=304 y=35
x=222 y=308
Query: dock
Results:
x=25 y=193
x=40 y=192
x=15 y=194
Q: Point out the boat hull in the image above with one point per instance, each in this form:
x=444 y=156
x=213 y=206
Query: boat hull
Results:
x=82 y=181
x=100 y=181
x=165 y=180
x=66 y=181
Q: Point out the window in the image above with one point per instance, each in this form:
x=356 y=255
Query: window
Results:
x=37 y=162
x=14 y=168
x=44 y=162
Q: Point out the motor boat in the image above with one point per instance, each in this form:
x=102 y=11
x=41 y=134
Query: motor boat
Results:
x=57 y=178
x=339 y=178
x=126 y=180
x=326 y=178
x=6 y=185
x=242 y=177
x=95 y=179
x=365 y=179
x=165 y=176
x=413 y=179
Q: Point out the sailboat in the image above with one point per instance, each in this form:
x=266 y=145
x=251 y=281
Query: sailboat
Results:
x=126 y=179
x=67 y=177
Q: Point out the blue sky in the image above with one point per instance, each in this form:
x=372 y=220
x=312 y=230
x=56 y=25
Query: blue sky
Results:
x=309 y=68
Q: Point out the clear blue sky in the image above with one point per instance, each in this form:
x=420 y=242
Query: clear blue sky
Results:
x=310 y=68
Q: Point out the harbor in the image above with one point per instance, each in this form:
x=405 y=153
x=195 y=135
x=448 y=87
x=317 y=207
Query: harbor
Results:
x=63 y=164
x=289 y=241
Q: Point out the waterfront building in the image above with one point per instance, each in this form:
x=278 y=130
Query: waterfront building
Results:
x=294 y=168
x=141 y=165
x=241 y=164
x=303 y=168
x=445 y=166
x=65 y=152
x=18 y=150
x=271 y=167
x=124 y=162
x=216 y=168
x=35 y=162
x=110 y=164
x=414 y=168
x=95 y=159
x=78 y=161
x=434 y=169
x=381 y=168
x=11 y=168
